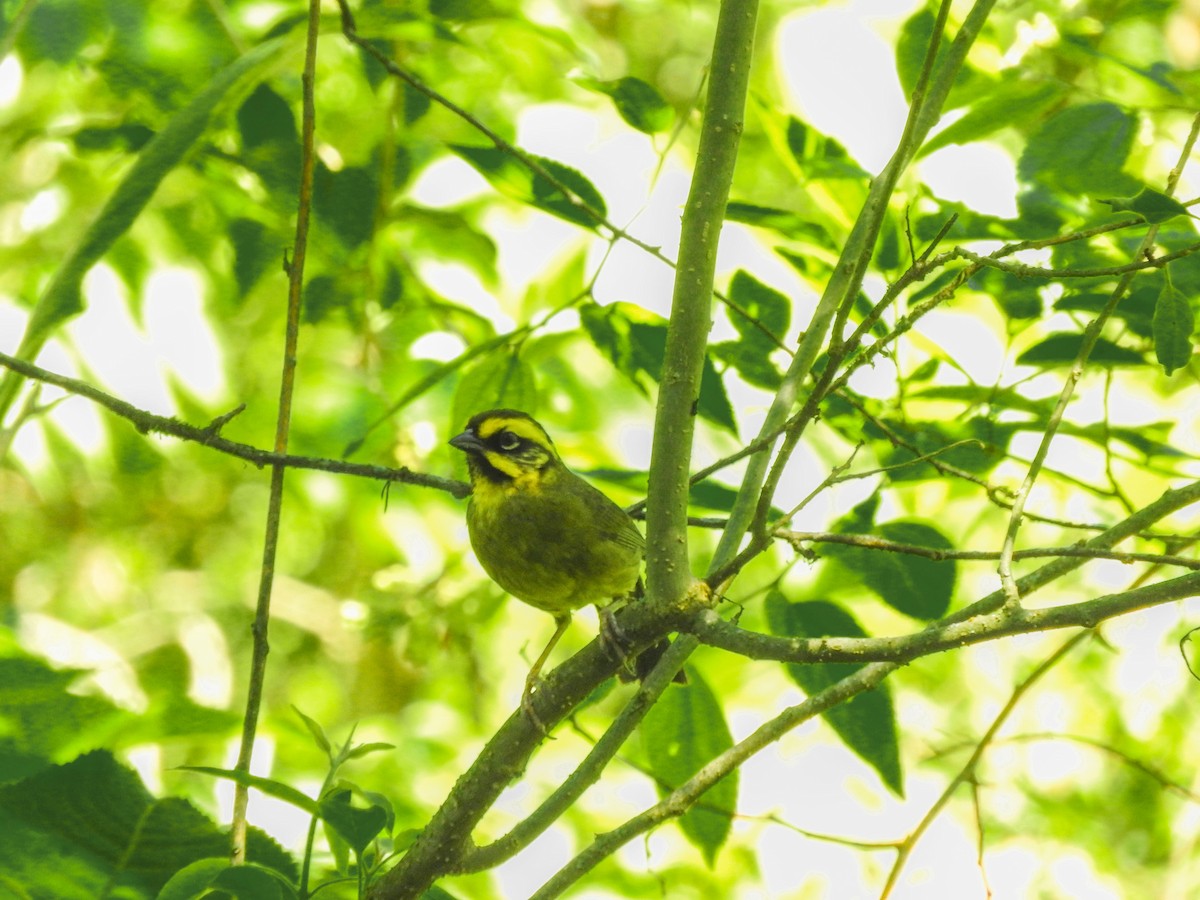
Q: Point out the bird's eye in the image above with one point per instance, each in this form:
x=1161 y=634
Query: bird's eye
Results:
x=508 y=441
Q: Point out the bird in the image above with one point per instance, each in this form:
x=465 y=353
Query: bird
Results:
x=545 y=535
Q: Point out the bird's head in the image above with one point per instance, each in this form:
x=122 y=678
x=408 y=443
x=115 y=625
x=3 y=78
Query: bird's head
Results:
x=506 y=447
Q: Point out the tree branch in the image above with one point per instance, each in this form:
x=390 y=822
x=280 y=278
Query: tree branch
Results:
x=209 y=435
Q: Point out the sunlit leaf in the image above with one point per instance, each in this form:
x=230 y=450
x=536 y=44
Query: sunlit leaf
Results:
x=683 y=731
x=1062 y=349
x=638 y=102
x=1081 y=150
x=1173 y=325
x=867 y=723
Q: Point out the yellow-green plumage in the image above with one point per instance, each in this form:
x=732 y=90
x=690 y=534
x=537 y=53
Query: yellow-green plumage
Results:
x=543 y=533
x=540 y=531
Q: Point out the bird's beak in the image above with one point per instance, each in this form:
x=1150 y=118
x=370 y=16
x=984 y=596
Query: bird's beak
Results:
x=467 y=442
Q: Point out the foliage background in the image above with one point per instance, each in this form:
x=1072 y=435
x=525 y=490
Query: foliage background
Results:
x=129 y=563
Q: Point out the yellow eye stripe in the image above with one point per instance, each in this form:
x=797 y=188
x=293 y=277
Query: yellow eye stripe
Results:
x=522 y=428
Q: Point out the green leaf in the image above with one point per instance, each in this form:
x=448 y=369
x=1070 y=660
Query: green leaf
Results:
x=515 y=180
x=1062 y=349
x=681 y=733
x=501 y=379
x=749 y=360
x=763 y=304
x=913 y=46
x=638 y=103
x=1136 y=310
x=635 y=340
x=255 y=248
x=346 y=201
x=71 y=829
x=866 y=723
x=61 y=299
x=1152 y=206
x=246 y=882
x=1173 y=324
x=266 y=118
x=357 y=827
x=323 y=296
x=268 y=786
x=914 y=585
x=317 y=732
x=43 y=718
x=1011 y=104
x=1081 y=150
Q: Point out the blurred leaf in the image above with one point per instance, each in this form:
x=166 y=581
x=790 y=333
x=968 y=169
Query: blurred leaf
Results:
x=750 y=361
x=682 y=732
x=514 y=180
x=127 y=137
x=1062 y=349
x=866 y=723
x=914 y=585
x=255 y=248
x=58 y=30
x=636 y=340
x=500 y=380
x=1081 y=150
x=346 y=201
x=1173 y=324
x=43 y=718
x=1136 y=310
x=1013 y=103
x=638 y=103
x=61 y=299
x=266 y=118
x=323 y=295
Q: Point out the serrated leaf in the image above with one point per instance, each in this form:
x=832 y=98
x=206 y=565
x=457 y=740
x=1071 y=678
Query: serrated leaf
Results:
x=1173 y=325
x=1081 y=150
x=92 y=823
x=515 y=180
x=914 y=585
x=638 y=102
x=681 y=733
x=1062 y=349
x=500 y=380
x=867 y=723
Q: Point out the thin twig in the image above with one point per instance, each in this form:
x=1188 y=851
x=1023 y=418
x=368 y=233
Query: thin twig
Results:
x=258 y=664
x=967 y=772
x=1090 y=336
x=209 y=436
